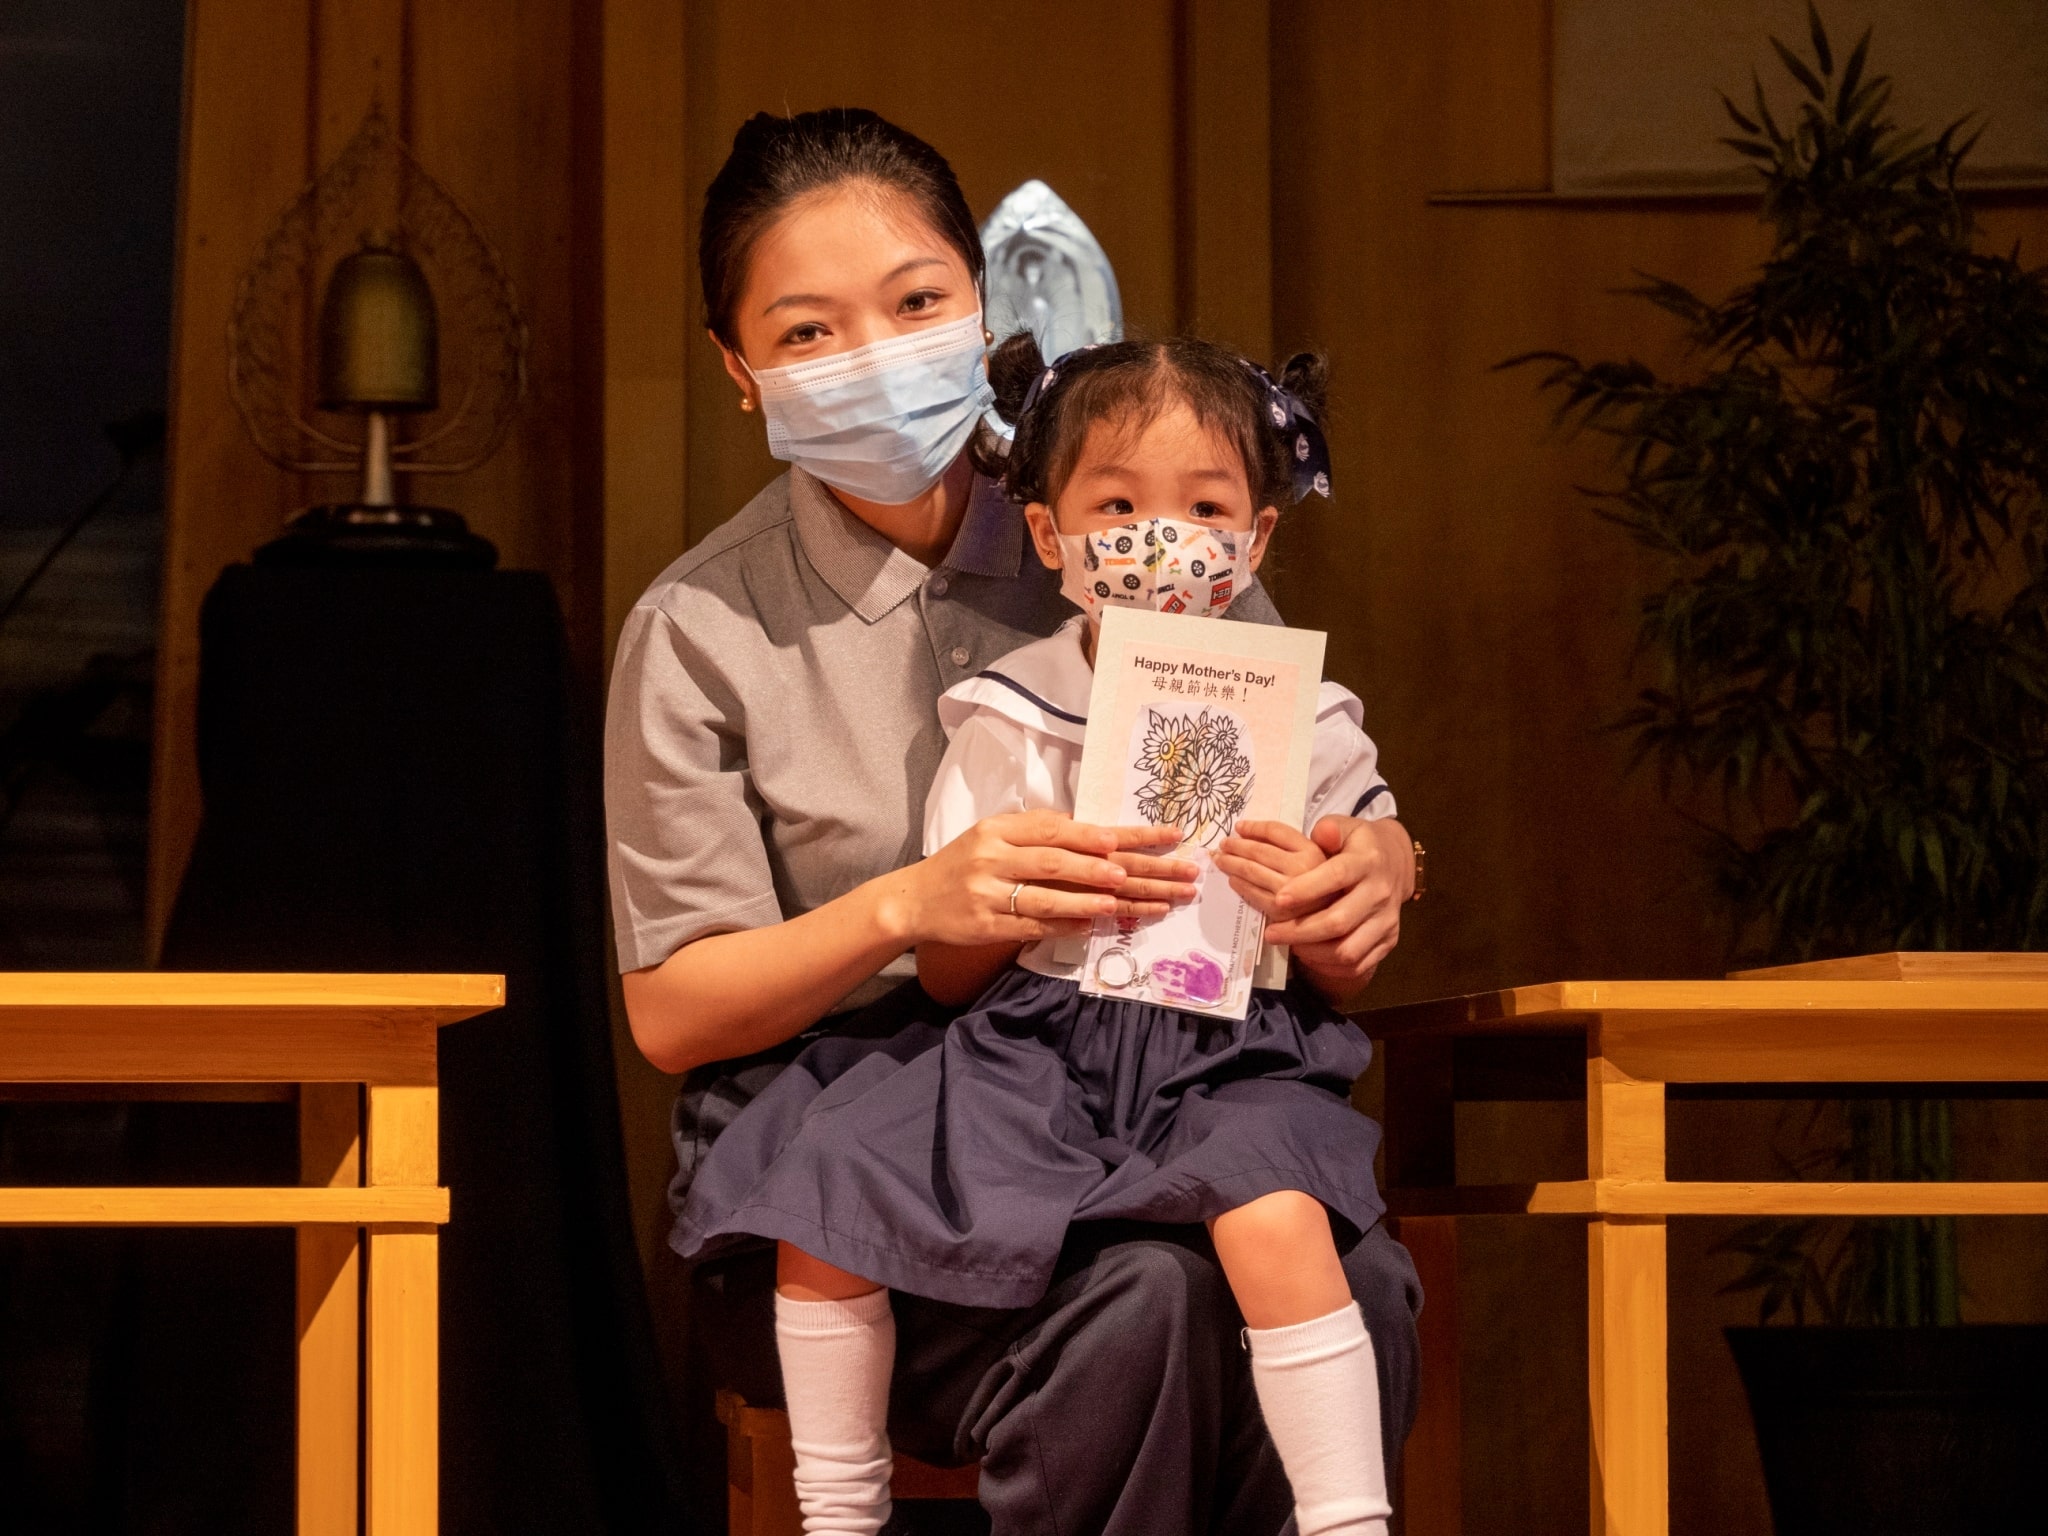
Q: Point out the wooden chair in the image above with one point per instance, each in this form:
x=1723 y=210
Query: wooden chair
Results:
x=759 y=1467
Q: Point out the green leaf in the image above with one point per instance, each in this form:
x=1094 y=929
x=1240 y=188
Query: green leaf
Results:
x=1763 y=110
x=1819 y=35
x=1937 y=863
x=1961 y=152
x=1852 y=73
x=1746 y=124
x=1796 y=67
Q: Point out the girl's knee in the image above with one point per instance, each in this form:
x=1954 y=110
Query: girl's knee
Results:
x=1281 y=1259
x=1286 y=1220
x=805 y=1277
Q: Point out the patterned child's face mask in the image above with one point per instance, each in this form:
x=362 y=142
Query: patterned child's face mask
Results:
x=1160 y=563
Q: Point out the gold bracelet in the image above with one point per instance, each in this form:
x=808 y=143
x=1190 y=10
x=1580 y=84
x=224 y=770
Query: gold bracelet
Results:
x=1421 y=872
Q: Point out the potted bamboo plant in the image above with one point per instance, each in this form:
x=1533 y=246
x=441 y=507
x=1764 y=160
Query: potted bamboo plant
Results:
x=1849 y=698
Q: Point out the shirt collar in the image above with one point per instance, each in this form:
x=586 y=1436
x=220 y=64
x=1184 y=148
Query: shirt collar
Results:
x=871 y=575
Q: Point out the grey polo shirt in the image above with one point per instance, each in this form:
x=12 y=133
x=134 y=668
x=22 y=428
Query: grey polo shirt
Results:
x=773 y=725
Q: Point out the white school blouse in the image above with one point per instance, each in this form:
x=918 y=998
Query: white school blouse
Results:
x=1014 y=744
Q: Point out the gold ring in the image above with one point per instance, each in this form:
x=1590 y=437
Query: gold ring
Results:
x=1013 y=897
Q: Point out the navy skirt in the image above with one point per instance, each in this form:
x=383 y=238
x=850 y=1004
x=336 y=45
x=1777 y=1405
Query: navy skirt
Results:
x=949 y=1161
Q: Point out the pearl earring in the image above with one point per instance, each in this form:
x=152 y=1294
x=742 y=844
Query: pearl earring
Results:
x=746 y=402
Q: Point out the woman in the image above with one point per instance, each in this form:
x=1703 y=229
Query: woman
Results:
x=771 y=735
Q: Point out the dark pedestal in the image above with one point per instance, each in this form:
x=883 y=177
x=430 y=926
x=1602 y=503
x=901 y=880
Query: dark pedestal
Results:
x=399 y=776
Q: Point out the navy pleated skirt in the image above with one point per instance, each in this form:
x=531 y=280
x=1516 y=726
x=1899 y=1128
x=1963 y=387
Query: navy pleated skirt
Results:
x=949 y=1161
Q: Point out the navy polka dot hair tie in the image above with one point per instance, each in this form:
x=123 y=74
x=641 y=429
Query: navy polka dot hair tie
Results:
x=1050 y=377
x=1308 y=455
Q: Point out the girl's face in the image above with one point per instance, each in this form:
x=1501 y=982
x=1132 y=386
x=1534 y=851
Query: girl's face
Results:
x=1175 y=467
x=839 y=269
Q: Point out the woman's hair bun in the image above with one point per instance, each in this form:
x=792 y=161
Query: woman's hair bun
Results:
x=760 y=131
x=1306 y=376
x=1013 y=367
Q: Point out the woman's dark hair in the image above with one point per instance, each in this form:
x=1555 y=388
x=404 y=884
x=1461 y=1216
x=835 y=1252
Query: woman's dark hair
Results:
x=777 y=160
x=1130 y=383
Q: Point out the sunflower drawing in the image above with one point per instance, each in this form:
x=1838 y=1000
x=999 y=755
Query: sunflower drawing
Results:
x=1197 y=775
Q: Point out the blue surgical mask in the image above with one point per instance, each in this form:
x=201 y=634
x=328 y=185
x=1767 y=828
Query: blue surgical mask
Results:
x=882 y=422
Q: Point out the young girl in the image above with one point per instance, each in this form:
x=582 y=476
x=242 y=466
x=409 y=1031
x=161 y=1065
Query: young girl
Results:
x=955 y=1171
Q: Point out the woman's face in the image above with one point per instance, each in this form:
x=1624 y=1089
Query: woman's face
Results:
x=839 y=269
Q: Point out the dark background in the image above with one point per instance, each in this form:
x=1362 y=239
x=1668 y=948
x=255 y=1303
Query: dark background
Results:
x=89 y=124
x=89 y=131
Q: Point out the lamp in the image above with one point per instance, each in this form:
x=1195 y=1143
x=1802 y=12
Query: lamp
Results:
x=387 y=236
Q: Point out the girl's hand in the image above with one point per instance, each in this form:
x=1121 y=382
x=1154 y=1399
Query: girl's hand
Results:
x=1261 y=857
x=1070 y=872
x=1158 y=882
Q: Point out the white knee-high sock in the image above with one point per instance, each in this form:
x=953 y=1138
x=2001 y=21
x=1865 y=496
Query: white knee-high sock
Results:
x=837 y=1357
x=1320 y=1394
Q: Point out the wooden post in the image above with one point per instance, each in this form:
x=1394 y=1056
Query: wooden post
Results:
x=1626 y=1326
x=1432 y=1468
x=402 y=1369
x=330 y=1318
x=1421 y=1128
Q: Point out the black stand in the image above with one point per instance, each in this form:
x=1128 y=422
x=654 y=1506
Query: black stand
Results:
x=353 y=535
x=397 y=777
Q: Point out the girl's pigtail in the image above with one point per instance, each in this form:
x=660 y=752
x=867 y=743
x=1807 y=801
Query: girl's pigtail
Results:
x=1306 y=376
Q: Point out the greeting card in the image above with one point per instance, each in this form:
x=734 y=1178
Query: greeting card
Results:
x=1197 y=724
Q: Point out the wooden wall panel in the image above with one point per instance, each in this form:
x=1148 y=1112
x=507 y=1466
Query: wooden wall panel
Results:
x=648 y=268
x=1486 y=616
x=647 y=322
x=1480 y=609
x=1223 y=154
x=496 y=111
x=247 y=95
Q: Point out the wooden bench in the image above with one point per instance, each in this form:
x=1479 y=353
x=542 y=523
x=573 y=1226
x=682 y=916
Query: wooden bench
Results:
x=1916 y=1020
x=358 y=1053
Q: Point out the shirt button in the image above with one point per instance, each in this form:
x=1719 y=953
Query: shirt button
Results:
x=939 y=586
x=960 y=654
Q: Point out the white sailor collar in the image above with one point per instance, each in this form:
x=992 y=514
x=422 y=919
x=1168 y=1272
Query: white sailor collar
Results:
x=1042 y=686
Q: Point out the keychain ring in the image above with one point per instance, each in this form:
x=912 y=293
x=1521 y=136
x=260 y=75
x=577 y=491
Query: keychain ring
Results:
x=1125 y=961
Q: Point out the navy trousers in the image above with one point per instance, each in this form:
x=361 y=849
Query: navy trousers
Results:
x=1120 y=1405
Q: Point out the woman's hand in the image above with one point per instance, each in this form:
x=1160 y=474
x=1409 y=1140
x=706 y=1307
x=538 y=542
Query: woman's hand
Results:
x=1261 y=857
x=1341 y=916
x=1070 y=872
